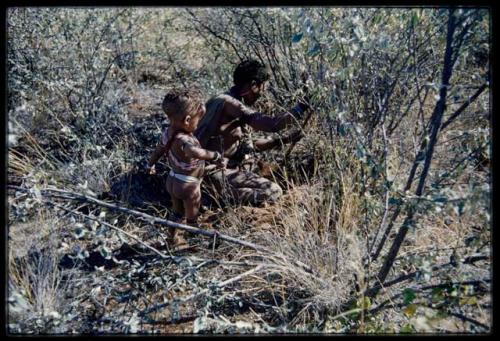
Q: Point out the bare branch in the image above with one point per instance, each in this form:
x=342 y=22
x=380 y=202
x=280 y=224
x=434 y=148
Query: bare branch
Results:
x=464 y=106
x=434 y=129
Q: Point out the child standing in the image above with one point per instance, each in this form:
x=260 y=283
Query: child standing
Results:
x=184 y=109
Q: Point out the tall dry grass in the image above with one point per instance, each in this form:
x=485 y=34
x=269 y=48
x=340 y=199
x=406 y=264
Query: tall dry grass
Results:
x=41 y=293
x=316 y=223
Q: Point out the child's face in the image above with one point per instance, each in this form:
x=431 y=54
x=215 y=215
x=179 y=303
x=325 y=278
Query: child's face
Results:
x=191 y=122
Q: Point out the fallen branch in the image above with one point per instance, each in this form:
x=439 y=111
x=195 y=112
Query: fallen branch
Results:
x=347 y=313
x=169 y=321
x=468 y=319
x=445 y=285
x=204 y=262
x=146 y=217
x=153 y=220
x=156 y=251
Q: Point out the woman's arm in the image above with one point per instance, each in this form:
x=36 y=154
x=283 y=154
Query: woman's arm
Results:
x=260 y=121
x=263 y=144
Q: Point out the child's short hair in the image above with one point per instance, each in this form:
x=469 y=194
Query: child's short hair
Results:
x=250 y=70
x=178 y=103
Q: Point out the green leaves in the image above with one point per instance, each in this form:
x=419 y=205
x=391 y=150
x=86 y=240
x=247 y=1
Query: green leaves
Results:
x=406 y=329
x=437 y=295
x=360 y=151
x=106 y=252
x=297 y=37
x=377 y=18
x=364 y=303
x=360 y=33
x=79 y=231
x=459 y=208
x=414 y=19
x=410 y=310
x=342 y=130
x=468 y=300
x=314 y=50
x=395 y=201
x=440 y=199
x=408 y=296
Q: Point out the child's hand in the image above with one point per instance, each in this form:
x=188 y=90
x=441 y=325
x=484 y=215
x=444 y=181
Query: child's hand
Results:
x=151 y=170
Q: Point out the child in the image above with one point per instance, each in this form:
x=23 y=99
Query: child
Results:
x=186 y=158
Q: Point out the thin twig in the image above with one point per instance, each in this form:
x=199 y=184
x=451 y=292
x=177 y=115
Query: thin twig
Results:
x=156 y=251
x=378 y=286
x=204 y=291
x=420 y=289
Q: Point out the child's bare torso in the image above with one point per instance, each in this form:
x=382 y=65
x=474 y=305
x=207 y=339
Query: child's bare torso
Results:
x=179 y=162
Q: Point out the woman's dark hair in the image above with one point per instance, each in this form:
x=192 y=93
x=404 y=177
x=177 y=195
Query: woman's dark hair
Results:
x=250 y=70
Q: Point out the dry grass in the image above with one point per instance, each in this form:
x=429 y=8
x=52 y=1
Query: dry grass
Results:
x=40 y=292
x=299 y=227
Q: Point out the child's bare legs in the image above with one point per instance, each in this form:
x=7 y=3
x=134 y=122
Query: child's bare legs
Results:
x=186 y=198
x=192 y=208
x=176 y=236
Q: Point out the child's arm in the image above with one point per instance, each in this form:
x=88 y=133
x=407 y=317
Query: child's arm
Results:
x=157 y=154
x=195 y=152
